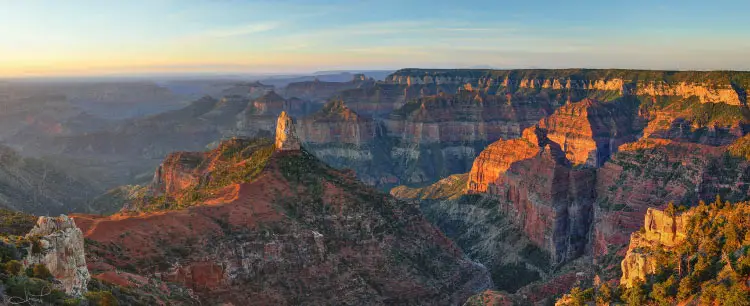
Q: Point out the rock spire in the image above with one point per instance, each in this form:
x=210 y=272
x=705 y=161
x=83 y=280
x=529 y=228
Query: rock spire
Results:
x=286 y=137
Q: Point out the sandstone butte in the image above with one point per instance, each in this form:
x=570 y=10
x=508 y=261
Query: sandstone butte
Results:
x=297 y=231
x=336 y=124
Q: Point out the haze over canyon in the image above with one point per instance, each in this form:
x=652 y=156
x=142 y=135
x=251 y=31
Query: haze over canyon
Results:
x=254 y=152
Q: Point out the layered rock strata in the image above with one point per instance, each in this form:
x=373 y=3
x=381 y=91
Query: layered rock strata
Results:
x=538 y=188
x=709 y=87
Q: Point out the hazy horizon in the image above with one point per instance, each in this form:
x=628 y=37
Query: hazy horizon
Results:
x=141 y=38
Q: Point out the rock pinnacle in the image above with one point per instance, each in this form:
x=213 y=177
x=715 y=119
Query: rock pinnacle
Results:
x=286 y=137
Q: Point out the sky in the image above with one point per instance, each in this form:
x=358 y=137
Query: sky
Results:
x=101 y=37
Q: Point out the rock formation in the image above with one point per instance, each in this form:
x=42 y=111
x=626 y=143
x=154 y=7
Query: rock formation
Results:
x=590 y=131
x=492 y=163
x=660 y=231
x=336 y=124
x=539 y=190
x=587 y=132
x=709 y=87
x=320 y=91
x=651 y=172
x=451 y=188
x=285 y=228
x=286 y=136
x=551 y=202
x=58 y=244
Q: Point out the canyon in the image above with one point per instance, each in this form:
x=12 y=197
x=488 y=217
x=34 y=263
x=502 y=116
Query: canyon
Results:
x=522 y=181
x=254 y=222
x=579 y=181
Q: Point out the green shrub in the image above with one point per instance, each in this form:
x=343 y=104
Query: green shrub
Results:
x=36 y=245
x=72 y=302
x=13 y=267
x=635 y=295
x=604 y=296
x=101 y=298
x=41 y=271
x=26 y=289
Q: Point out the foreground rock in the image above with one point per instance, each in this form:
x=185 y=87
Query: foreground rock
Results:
x=661 y=230
x=58 y=244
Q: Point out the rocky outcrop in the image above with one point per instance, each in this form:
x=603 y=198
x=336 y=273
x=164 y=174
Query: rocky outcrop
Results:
x=652 y=172
x=58 y=244
x=587 y=132
x=551 y=202
x=177 y=173
x=286 y=135
x=662 y=231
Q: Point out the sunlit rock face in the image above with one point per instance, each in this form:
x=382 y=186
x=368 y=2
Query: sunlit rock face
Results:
x=61 y=250
x=537 y=186
x=590 y=131
x=652 y=172
x=587 y=132
x=661 y=230
x=709 y=87
x=286 y=136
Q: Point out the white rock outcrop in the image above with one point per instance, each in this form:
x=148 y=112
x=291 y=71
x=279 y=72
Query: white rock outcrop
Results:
x=61 y=249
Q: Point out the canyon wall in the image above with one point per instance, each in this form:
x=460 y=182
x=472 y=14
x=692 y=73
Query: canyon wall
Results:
x=538 y=188
x=709 y=87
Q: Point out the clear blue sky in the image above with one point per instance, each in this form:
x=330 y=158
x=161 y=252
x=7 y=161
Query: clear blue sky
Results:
x=137 y=36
